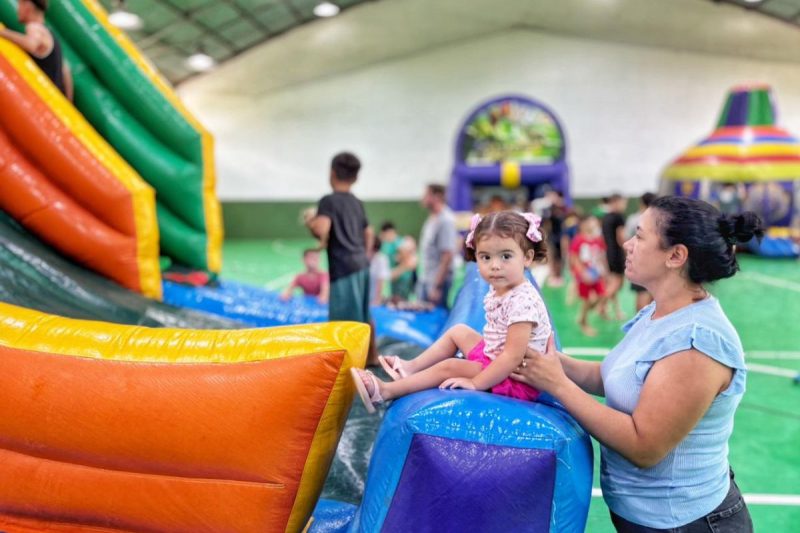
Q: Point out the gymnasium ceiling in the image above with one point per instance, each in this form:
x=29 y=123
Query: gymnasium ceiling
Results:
x=229 y=30
x=172 y=30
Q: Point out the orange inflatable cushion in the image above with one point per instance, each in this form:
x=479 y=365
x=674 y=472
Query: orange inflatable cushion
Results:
x=138 y=446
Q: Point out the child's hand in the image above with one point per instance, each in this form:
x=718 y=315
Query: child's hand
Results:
x=458 y=383
x=542 y=371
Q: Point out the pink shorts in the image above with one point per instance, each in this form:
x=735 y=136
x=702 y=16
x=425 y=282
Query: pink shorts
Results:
x=508 y=387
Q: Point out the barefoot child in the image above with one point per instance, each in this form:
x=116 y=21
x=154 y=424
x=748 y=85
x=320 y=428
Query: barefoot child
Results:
x=587 y=261
x=504 y=245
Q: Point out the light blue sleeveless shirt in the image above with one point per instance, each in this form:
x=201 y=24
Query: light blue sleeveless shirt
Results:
x=692 y=480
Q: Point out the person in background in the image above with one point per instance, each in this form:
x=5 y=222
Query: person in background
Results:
x=342 y=228
x=631 y=223
x=587 y=261
x=496 y=204
x=570 y=231
x=730 y=199
x=554 y=216
x=402 y=281
x=313 y=282
x=379 y=272
x=438 y=245
x=614 y=236
x=601 y=208
x=40 y=43
x=404 y=273
x=672 y=385
x=390 y=241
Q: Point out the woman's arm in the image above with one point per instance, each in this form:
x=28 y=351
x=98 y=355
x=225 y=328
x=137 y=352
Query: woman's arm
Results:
x=676 y=394
x=502 y=366
x=585 y=374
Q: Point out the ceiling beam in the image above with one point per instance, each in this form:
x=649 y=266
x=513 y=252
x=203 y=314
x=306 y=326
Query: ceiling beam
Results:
x=227 y=43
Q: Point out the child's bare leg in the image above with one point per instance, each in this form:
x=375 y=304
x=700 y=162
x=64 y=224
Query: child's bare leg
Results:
x=600 y=302
x=459 y=337
x=430 y=377
x=586 y=305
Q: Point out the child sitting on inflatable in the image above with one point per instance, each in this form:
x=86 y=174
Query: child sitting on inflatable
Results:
x=313 y=281
x=504 y=245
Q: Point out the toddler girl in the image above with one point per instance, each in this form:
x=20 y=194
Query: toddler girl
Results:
x=504 y=245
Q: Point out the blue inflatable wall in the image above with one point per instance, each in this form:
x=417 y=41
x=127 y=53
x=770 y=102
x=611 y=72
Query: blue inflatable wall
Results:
x=471 y=461
x=262 y=308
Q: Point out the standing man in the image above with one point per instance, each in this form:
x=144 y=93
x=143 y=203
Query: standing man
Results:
x=614 y=237
x=40 y=44
x=341 y=226
x=438 y=245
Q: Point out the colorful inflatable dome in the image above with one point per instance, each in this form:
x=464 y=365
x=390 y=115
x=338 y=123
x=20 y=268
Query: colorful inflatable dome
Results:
x=119 y=428
x=747 y=163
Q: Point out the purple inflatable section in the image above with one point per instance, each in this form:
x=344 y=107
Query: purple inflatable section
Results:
x=480 y=487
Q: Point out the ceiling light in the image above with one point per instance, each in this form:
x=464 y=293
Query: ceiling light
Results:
x=124 y=19
x=200 y=62
x=326 y=9
x=753 y=1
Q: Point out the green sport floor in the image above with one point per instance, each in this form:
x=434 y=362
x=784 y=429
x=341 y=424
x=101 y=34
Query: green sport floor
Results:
x=762 y=301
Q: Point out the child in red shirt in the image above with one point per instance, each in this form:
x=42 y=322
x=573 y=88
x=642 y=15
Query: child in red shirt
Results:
x=313 y=281
x=587 y=262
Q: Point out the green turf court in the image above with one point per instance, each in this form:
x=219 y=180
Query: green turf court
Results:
x=762 y=301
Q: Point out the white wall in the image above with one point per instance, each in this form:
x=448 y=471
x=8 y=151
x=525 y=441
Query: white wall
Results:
x=627 y=110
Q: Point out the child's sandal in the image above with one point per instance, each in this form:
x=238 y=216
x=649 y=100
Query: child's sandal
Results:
x=369 y=400
x=396 y=369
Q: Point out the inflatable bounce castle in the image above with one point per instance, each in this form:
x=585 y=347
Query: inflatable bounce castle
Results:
x=115 y=427
x=747 y=163
x=512 y=146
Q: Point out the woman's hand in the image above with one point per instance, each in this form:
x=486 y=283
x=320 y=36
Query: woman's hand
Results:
x=458 y=383
x=542 y=371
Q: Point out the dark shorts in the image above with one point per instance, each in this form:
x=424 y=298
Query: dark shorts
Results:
x=731 y=516
x=349 y=298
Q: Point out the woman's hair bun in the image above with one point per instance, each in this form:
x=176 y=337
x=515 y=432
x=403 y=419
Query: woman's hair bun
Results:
x=741 y=228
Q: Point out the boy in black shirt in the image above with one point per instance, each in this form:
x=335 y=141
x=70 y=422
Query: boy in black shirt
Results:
x=341 y=226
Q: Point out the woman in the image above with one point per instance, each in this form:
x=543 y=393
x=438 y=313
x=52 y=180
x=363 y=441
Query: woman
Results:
x=671 y=385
